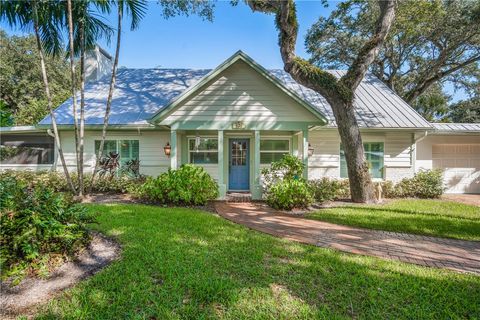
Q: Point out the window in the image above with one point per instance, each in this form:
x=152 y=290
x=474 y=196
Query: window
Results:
x=205 y=153
x=128 y=149
x=373 y=153
x=273 y=150
x=27 y=149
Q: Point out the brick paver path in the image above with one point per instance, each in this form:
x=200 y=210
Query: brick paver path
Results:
x=459 y=255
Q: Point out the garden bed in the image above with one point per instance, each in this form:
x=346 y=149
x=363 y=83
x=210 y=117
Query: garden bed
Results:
x=24 y=298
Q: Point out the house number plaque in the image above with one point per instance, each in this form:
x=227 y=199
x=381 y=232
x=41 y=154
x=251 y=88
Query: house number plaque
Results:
x=238 y=125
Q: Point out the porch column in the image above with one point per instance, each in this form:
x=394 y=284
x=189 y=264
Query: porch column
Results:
x=257 y=186
x=305 y=152
x=173 y=152
x=222 y=188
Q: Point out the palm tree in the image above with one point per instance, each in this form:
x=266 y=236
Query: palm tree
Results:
x=136 y=9
x=84 y=29
x=74 y=95
x=46 y=19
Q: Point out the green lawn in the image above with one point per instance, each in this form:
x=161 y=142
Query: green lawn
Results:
x=189 y=264
x=428 y=217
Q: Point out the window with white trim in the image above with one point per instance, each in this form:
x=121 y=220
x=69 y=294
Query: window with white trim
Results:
x=203 y=151
x=374 y=153
x=272 y=150
x=128 y=149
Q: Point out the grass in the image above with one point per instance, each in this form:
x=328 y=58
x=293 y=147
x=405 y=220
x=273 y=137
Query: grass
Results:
x=427 y=217
x=188 y=264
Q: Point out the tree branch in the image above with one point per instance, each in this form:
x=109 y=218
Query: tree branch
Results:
x=370 y=49
x=424 y=85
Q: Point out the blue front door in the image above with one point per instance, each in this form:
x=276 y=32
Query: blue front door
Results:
x=238 y=165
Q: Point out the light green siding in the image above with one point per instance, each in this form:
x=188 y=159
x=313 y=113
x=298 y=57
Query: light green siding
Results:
x=240 y=93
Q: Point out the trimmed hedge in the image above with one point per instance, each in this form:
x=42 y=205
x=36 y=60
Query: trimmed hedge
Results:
x=426 y=184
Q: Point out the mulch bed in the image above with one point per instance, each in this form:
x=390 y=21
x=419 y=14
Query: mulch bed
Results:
x=25 y=298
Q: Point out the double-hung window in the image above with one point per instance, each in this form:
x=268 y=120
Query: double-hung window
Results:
x=374 y=153
x=203 y=150
x=272 y=150
x=127 y=149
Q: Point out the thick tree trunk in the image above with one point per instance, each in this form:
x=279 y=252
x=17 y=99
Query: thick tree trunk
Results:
x=110 y=95
x=361 y=187
x=338 y=92
x=49 y=100
x=72 y=72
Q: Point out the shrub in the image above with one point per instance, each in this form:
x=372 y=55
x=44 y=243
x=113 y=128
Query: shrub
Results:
x=56 y=181
x=326 y=189
x=49 y=179
x=289 y=167
x=388 y=189
x=283 y=185
x=37 y=222
x=424 y=184
x=189 y=185
x=288 y=194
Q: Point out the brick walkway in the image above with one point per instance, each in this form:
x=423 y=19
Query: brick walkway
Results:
x=458 y=255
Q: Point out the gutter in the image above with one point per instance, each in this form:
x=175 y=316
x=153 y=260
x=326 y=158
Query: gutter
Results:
x=414 y=151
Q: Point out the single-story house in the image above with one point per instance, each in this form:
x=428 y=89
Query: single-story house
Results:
x=239 y=117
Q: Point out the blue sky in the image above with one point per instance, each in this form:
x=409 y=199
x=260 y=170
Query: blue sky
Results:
x=190 y=42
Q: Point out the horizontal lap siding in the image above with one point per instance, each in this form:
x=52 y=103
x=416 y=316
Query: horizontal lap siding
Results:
x=398 y=148
x=212 y=170
x=326 y=157
x=325 y=162
x=326 y=145
x=240 y=94
x=152 y=157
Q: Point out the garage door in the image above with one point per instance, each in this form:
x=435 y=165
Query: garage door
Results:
x=461 y=165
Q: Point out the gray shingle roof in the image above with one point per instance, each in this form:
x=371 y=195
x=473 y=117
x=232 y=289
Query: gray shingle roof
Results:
x=457 y=127
x=140 y=93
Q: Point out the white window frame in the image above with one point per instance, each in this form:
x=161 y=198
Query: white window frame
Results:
x=289 y=151
x=364 y=142
x=199 y=150
x=117 y=147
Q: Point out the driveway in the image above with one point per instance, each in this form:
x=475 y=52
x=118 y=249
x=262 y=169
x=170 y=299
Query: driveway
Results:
x=458 y=255
x=473 y=199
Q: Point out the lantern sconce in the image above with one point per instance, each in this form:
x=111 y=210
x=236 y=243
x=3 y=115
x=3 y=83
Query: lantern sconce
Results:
x=310 y=150
x=167 y=149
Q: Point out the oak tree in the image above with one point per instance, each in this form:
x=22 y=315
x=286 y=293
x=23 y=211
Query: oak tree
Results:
x=338 y=92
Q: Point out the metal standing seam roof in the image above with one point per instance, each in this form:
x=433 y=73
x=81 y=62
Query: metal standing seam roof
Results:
x=141 y=93
x=457 y=127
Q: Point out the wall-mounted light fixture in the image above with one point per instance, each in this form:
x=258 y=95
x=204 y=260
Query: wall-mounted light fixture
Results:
x=167 y=149
x=310 y=150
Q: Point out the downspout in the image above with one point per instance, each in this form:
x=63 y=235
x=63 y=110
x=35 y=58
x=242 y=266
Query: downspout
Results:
x=55 y=151
x=414 y=153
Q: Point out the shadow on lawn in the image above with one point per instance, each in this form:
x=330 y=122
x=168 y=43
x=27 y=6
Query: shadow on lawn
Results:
x=180 y=263
x=387 y=209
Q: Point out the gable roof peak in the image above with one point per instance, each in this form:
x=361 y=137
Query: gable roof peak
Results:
x=156 y=118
